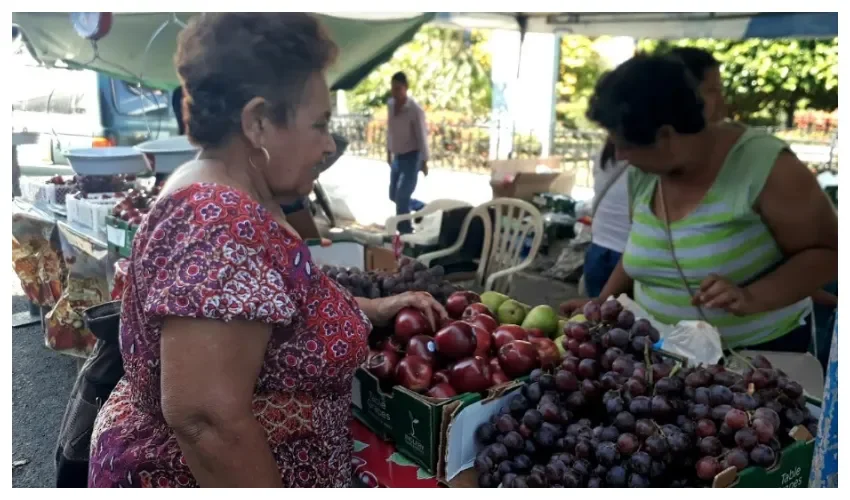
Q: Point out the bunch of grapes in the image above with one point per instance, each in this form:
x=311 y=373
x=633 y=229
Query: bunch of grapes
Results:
x=412 y=276
x=615 y=414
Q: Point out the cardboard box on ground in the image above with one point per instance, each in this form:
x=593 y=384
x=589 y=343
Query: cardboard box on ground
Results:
x=524 y=178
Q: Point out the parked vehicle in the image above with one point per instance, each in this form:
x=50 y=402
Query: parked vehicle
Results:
x=83 y=109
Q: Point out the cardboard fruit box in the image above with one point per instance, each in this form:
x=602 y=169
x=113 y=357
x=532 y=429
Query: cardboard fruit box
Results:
x=460 y=448
x=119 y=236
x=413 y=422
x=790 y=471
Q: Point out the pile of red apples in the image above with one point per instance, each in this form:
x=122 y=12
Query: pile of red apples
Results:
x=471 y=351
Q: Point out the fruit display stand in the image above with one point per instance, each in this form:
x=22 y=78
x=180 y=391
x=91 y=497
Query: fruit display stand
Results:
x=791 y=469
x=606 y=409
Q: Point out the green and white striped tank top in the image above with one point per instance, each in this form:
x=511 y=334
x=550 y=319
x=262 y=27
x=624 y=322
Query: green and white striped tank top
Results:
x=723 y=235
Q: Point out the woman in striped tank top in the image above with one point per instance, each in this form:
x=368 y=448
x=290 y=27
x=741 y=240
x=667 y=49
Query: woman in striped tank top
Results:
x=753 y=236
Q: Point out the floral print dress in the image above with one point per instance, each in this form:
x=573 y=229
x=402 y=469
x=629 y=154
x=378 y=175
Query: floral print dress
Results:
x=208 y=251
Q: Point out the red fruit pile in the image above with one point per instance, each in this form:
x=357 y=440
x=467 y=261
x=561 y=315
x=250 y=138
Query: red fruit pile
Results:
x=615 y=414
x=471 y=354
x=133 y=207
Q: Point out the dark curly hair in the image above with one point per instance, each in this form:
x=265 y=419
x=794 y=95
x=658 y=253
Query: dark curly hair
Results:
x=226 y=59
x=698 y=61
x=644 y=94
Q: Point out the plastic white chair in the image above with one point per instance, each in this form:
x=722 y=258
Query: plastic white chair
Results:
x=504 y=240
x=429 y=234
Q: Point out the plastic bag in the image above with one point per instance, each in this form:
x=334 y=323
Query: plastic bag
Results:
x=696 y=340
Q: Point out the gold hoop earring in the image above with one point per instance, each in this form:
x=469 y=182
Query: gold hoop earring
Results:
x=265 y=153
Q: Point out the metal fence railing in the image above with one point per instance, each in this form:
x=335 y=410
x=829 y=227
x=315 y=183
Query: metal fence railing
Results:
x=466 y=145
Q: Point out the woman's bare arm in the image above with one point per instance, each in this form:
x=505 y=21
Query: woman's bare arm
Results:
x=209 y=370
x=805 y=226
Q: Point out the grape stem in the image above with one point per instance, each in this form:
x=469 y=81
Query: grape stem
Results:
x=647 y=360
x=676 y=368
x=741 y=357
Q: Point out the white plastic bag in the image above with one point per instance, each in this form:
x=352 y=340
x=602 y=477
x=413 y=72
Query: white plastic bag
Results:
x=696 y=340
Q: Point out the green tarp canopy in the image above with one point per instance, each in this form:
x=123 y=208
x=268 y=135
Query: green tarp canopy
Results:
x=365 y=41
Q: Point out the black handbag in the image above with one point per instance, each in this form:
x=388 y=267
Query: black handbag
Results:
x=95 y=382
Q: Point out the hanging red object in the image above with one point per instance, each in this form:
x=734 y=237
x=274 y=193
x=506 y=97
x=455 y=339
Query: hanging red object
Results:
x=92 y=25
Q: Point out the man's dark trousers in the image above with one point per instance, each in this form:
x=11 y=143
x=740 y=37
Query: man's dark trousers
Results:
x=403 y=176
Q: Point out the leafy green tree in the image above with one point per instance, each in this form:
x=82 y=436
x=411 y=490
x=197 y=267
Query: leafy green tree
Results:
x=449 y=70
x=581 y=65
x=766 y=81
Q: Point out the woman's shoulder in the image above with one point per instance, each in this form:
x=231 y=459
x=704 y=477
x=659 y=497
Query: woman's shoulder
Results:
x=202 y=212
x=204 y=202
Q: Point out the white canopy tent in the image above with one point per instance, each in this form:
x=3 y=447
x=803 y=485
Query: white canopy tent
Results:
x=657 y=25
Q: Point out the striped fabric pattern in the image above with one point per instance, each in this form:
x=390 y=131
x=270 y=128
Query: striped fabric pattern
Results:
x=722 y=236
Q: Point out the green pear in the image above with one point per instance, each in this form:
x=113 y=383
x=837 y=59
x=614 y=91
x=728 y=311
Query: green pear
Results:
x=510 y=312
x=544 y=318
x=493 y=300
x=560 y=343
x=562 y=323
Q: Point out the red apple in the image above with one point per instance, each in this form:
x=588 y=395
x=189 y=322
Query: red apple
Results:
x=459 y=301
x=547 y=351
x=470 y=375
x=383 y=364
x=518 y=358
x=482 y=341
x=424 y=347
x=440 y=377
x=508 y=333
x=494 y=364
x=536 y=333
x=395 y=345
x=456 y=341
x=498 y=377
x=410 y=322
x=414 y=373
x=484 y=321
x=475 y=309
x=442 y=391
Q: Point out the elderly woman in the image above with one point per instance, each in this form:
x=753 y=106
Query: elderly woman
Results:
x=727 y=224
x=239 y=353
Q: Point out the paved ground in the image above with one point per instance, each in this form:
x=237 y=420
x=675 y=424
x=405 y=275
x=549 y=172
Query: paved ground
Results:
x=41 y=382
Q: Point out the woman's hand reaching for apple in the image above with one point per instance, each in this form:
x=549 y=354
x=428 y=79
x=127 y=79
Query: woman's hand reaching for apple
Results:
x=382 y=311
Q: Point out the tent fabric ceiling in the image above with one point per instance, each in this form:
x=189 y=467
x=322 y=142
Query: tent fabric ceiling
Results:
x=364 y=43
x=658 y=25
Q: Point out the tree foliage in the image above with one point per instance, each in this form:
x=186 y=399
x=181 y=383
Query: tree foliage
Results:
x=766 y=81
x=581 y=65
x=448 y=70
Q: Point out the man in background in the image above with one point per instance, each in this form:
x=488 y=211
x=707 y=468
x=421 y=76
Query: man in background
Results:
x=407 y=146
